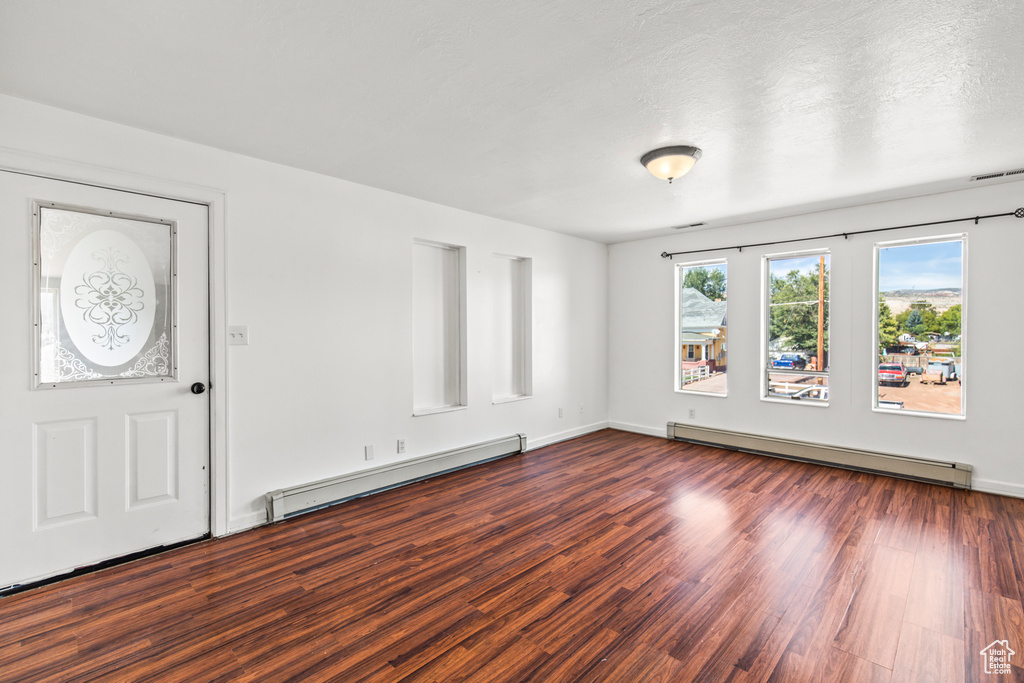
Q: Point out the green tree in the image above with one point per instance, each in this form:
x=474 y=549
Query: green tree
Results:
x=929 y=318
x=794 y=310
x=949 y=322
x=709 y=282
x=888 y=330
x=915 y=322
x=901 y=320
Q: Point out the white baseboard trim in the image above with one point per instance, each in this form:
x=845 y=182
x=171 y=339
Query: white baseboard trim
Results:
x=252 y=520
x=1002 y=488
x=639 y=429
x=259 y=517
x=245 y=522
x=955 y=474
x=533 y=444
x=315 y=495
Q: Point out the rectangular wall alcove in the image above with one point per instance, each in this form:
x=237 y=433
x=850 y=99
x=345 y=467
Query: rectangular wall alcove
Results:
x=511 y=328
x=439 y=327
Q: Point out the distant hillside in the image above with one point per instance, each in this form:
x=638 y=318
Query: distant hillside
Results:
x=900 y=300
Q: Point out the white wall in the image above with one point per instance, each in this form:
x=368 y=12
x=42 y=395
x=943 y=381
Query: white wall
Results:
x=991 y=438
x=319 y=269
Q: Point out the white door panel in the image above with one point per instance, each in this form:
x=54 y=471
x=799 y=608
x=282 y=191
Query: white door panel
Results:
x=103 y=447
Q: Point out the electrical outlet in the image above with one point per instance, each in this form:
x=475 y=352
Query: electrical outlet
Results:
x=401 y=445
x=693 y=413
x=368 y=452
x=561 y=412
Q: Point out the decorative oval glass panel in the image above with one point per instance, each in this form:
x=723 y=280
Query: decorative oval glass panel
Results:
x=108 y=298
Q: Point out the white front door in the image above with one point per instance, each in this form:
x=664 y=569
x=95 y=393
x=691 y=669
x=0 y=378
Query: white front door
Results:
x=104 y=447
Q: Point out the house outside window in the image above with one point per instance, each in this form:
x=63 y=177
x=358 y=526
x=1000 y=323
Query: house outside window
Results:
x=701 y=327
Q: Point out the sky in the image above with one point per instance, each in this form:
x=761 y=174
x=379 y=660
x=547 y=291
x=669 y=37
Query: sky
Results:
x=913 y=266
x=920 y=266
x=808 y=264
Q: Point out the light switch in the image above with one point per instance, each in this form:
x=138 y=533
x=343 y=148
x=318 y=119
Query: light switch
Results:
x=238 y=335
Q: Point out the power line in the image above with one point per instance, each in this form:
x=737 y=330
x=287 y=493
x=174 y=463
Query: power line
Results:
x=794 y=303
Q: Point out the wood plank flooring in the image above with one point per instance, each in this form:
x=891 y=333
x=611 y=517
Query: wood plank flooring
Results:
x=611 y=557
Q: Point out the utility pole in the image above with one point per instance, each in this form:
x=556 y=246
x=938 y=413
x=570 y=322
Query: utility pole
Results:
x=821 y=314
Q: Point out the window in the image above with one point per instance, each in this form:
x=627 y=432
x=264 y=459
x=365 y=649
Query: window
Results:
x=105 y=299
x=918 y=330
x=701 y=327
x=439 y=327
x=796 y=335
x=511 y=328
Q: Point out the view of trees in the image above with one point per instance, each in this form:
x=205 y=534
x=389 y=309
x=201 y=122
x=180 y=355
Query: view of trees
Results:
x=888 y=328
x=793 y=320
x=708 y=281
x=913 y=278
x=921 y=319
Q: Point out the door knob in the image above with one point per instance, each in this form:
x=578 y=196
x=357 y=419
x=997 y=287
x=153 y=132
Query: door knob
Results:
x=198 y=388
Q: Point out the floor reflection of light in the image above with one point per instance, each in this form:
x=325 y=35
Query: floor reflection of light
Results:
x=709 y=513
x=788 y=538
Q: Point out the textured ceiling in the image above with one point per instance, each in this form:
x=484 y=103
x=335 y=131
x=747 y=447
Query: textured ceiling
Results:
x=538 y=112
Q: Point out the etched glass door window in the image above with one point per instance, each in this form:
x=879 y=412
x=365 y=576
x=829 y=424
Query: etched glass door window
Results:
x=105 y=298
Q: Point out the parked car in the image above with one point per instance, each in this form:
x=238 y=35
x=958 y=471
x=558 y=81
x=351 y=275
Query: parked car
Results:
x=790 y=361
x=892 y=373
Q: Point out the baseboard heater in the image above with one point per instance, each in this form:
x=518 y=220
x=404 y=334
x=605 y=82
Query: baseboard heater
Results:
x=285 y=503
x=955 y=474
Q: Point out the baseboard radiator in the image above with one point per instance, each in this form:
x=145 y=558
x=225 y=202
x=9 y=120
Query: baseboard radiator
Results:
x=285 y=503
x=955 y=474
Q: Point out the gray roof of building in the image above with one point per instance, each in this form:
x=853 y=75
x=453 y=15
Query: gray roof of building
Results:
x=698 y=311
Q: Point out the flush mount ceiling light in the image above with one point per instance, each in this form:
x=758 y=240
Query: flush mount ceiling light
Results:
x=669 y=163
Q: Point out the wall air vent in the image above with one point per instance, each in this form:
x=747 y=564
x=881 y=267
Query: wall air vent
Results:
x=691 y=225
x=989 y=176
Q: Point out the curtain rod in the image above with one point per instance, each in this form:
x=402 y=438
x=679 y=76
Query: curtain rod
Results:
x=1019 y=213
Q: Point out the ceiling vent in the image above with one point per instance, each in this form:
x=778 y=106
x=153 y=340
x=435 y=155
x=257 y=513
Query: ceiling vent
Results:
x=691 y=225
x=989 y=176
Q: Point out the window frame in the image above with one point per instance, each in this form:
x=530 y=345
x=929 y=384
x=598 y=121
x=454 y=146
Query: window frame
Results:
x=766 y=396
x=677 y=352
x=932 y=239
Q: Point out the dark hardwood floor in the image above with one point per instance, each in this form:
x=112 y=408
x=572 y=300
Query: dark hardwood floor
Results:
x=612 y=557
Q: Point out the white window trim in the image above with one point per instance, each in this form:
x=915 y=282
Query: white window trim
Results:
x=765 y=316
x=956 y=237
x=434 y=411
x=510 y=399
x=677 y=350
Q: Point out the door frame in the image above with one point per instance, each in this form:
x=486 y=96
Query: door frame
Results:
x=27 y=163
